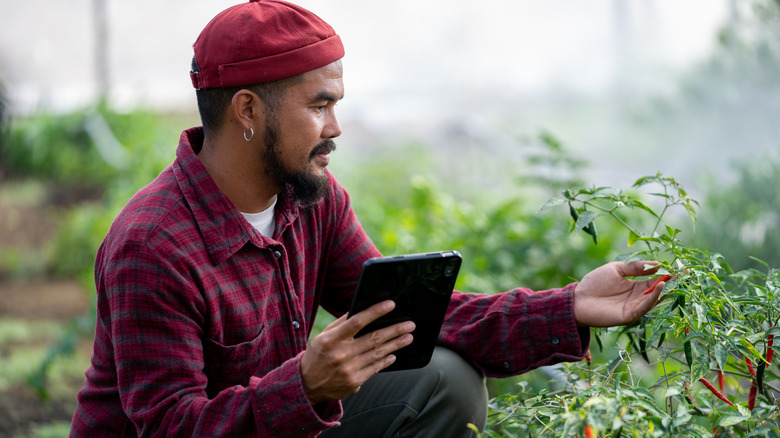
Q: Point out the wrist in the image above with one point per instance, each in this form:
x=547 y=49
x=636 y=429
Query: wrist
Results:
x=576 y=306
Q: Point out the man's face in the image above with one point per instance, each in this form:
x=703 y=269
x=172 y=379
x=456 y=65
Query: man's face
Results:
x=298 y=134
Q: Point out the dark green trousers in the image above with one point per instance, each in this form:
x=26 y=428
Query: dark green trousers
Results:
x=436 y=401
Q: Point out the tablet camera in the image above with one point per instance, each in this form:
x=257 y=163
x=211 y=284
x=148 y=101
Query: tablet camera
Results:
x=449 y=270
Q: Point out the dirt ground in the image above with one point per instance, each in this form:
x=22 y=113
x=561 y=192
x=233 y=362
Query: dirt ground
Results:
x=25 y=304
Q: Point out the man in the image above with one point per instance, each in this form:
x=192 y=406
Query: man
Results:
x=210 y=278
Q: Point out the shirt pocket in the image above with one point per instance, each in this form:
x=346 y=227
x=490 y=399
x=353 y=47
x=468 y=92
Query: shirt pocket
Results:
x=231 y=365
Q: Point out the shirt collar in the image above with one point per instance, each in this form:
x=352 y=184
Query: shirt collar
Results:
x=223 y=229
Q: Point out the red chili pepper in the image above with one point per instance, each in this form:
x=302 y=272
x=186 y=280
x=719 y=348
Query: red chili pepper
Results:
x=769 y=351
x=721 y=381
x=752 y=396
x=750 y=366
x=715 y=391
x=589 y=432
x=587 y=356
x=660 y=279
x=715 y=432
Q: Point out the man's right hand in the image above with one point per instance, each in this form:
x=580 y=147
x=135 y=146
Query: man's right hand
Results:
x=336 y=364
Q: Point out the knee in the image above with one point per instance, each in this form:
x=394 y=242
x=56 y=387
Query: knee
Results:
x=461 y=387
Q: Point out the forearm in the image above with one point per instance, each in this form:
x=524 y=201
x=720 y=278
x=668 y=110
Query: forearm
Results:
x=515 y=332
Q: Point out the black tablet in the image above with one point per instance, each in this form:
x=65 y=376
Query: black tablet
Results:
x=421 y=286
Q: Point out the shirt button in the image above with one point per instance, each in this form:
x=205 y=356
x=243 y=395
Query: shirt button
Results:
x=555 y=340
x=277 y=254
x=506 y=365
x=296 y=325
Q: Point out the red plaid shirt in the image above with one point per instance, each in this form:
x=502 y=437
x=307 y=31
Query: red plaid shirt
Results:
x=202 y=321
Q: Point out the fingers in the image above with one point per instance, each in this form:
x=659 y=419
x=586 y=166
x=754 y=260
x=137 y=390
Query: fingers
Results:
x=360 y=320
x=346 y=328
x=637 y=268
x=656 y=287
x=382 y=342
x=661 y=279
x=649 y=299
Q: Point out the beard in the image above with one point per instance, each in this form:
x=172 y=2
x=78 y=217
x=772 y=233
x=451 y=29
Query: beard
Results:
x=306 y=188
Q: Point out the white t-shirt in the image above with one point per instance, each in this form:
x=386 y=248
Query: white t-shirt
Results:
x=263 y=221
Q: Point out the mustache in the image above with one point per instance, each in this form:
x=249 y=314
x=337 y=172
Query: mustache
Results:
x=324 y=147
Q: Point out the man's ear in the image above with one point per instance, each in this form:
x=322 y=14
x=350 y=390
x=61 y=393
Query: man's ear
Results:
x=248 y=108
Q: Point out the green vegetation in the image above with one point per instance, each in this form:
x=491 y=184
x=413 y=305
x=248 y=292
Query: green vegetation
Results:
x=641 y=378
x=713 y=322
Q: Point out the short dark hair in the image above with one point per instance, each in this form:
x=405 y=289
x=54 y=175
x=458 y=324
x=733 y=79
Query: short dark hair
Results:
x=212 y=102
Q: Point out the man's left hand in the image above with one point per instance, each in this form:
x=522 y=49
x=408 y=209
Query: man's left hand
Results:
x=606 y=298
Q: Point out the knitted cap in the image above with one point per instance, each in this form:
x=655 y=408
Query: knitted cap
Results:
x=262 y=41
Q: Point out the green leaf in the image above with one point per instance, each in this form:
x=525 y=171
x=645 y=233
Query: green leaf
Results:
x=691 y=212
x=743 y=411
x=553 y=202
x=715 y=277
x=721 y=355
x=701 y=315
x=764 y=431
x=672 y=391
x=650 y=239
x=749 y=347
x=646 y=180
x=632 y=238
x=731 y=420
x=585 y=218
x=700 y=349
x=645 y=208
x=699 y=368
x=682 y=417
x=651 y=408
x=657 y=327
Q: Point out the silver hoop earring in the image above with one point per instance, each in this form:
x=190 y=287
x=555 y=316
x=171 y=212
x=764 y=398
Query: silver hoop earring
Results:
x=252 y=132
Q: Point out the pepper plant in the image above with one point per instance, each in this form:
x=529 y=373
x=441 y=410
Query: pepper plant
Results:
x=698 y=364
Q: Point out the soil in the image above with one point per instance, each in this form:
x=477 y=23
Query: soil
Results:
x=33 y=300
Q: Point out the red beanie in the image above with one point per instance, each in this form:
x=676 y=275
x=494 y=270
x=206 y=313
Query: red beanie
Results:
x=262 y=41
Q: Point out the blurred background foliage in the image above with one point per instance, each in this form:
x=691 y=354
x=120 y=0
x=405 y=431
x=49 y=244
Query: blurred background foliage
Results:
x=86 y=164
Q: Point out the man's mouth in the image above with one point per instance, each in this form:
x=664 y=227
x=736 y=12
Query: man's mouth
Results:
x=323 y=149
